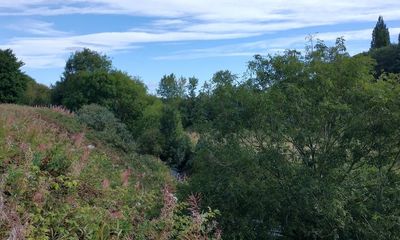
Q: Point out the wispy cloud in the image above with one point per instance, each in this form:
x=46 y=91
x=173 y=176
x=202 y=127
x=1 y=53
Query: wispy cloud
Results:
x=42 y=52
x=36 y=27
x=270 y=46
x=178 y=20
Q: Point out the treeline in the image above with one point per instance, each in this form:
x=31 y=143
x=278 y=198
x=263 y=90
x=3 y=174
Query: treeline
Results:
x=305 y=146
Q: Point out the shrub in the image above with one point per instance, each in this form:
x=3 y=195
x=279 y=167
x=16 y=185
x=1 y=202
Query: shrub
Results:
x=106 y=126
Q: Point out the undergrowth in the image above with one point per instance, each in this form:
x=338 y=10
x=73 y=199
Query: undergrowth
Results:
x=59 y=180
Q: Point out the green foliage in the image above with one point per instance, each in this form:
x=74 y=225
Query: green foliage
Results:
x=171 y=88
x=53 y=186
x=380 y=35
x=106 y=127
x=130 y=101
x=188 y=106
x=36 y=94
x=87 y=61
x=150 y=140
x=387 y=59
x=181 y=220
x=176 y=147
x=305 y=149
x=83 y=88
x=12 y=81
x=89 y=78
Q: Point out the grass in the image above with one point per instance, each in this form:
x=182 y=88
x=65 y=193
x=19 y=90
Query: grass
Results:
x=55 y=185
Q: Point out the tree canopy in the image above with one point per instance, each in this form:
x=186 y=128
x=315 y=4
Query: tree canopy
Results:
x=170 y=87
x=13 y=81
x=310 y=155
x=380 y=35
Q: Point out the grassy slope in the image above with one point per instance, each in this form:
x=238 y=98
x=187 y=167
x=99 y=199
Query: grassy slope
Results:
x=55 y=186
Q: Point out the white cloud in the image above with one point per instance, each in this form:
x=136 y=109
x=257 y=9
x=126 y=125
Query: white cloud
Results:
x=309 y=11
x=42 y=52
x=185 y=20
x=272 y=46
x=36 y=27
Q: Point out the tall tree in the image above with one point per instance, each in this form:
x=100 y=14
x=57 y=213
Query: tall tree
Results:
x=12 y=80
x=176 y=148
x=87 y=61
x=90 y=78
x=380 y=35
x=193 y=82
x=170 y=87
x=188 y=106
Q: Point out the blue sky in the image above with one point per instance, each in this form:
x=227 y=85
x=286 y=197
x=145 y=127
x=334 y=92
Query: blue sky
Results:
x=150 y=38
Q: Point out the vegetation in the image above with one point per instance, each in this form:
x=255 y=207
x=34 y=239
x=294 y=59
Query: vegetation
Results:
x=62 y=181
x=304 y=150
x=12 y=81
x=380 y=35
x=304 y=146
x=36 y=94
x=387 y=59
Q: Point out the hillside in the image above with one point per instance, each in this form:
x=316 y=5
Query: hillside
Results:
x=59 y=182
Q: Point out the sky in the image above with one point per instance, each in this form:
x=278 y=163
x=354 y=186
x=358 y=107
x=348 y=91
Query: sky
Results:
x=151 y=38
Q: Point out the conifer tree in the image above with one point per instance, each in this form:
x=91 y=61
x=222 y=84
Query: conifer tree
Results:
x=380 y=35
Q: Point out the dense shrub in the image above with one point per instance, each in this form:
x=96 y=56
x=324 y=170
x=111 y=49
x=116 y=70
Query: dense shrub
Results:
x=106 y=126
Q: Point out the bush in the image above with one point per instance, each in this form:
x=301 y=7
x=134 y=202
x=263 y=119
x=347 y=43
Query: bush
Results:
x=106 y=126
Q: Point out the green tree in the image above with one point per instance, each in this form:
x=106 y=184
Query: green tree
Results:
x=87 y=61
x=312 y=156
x=192 y=86
x=387 y=59
x=380 y=35
x=89 y=78
x=170 y=87
x=86 y=79
x=150 y=139
x=35 y=94
x=176 y=148
x=12 y=81
x=188 y=106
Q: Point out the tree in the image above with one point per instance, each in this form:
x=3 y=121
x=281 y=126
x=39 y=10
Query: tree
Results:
x=188 y=105
x=87 y=61
x=193 y=82
x=171 y=88
x=387 y=59
x=223 y=78
x=313 y=156
x=12 y=81
x=90 y=79
x=380 y=35
x=35 y=94
x=86 y=80
x=176 y=148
